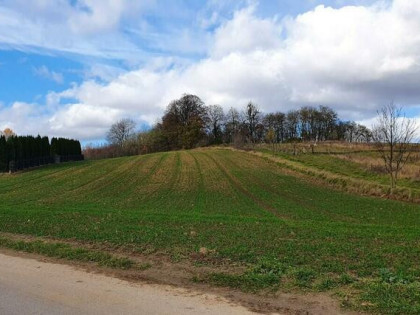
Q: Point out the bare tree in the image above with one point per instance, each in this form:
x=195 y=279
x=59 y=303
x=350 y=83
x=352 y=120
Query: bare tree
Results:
x=215 y=120
x=232 y=124
x=393 y=135
x=252 y=118
x=121 y=131
x=292 y=118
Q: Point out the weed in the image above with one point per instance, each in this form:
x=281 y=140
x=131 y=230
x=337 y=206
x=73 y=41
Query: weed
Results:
x=304 y=277
x=346 y=279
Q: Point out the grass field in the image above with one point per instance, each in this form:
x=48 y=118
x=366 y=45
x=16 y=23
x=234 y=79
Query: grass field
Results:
x=288 y=233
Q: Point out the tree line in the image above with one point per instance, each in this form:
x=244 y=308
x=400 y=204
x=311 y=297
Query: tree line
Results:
x=20 y=152
x=187 y=123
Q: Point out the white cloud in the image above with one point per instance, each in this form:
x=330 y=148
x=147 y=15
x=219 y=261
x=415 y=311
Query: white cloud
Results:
x=74 y=121
x=91 y=27
x=24 y=118
x=103 y=72
x=373 y=121
x=246 y=33
x=125 y=30
x=80 y=120
x=96 y=16
x=353 y=59
x=46 y=73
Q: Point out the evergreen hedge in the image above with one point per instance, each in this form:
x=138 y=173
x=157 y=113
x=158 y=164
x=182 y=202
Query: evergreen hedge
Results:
x=20 y=152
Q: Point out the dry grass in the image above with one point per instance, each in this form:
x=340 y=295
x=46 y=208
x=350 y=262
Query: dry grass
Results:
x=374 y=163
x=329 y=147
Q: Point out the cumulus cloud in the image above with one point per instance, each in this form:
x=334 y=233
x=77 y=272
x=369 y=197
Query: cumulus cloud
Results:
x=74 y=121
x=353 y=58
x=82 y=121
x=24 y=118
x=246 y=33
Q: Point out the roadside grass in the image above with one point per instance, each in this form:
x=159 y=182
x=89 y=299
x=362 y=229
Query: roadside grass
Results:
x=65 y=251
x=219 y=207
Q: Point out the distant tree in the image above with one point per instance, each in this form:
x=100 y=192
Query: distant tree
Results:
x=215 y=122
x=270 y=137
x=184 y=122
x=309 y=118
x=252 y=119
x=350 y=130
x=63 y=147
x=8 y=133
x=152 y=140
x=3 y=154
x=362 y=134
x=393 y=135
x=327 y=120
x=292 y=121
x=341 y=130
x=276 y=122
x=259 y=132
x=232 y=124
x=121 y=131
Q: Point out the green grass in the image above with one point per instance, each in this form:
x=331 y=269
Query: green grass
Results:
x=289 y=234
x=65 y=251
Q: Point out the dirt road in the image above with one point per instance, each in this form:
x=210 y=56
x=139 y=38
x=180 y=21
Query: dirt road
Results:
x=28 y=286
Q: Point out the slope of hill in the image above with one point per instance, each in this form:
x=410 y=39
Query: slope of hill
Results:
x=355 y=168
x=220 y=207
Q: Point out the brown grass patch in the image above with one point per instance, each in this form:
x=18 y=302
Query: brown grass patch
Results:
x=375 y=164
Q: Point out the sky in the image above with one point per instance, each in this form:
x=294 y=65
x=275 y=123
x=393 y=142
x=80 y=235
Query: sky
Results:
x=74 y=67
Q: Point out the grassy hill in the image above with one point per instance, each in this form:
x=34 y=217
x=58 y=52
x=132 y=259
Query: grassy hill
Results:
x=245 y=210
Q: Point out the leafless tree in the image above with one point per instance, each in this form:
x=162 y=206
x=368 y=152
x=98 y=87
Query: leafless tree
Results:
x=252 y=119
x=215 y=120
x=232 y=124
x=393 y=135
x=121 y=131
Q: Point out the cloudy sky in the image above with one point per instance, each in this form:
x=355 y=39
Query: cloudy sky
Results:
x=73 y=67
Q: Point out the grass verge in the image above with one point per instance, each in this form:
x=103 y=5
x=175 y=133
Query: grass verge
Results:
x=67 y=252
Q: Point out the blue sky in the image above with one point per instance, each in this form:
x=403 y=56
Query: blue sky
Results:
x=22 y=78
x=73 y=67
